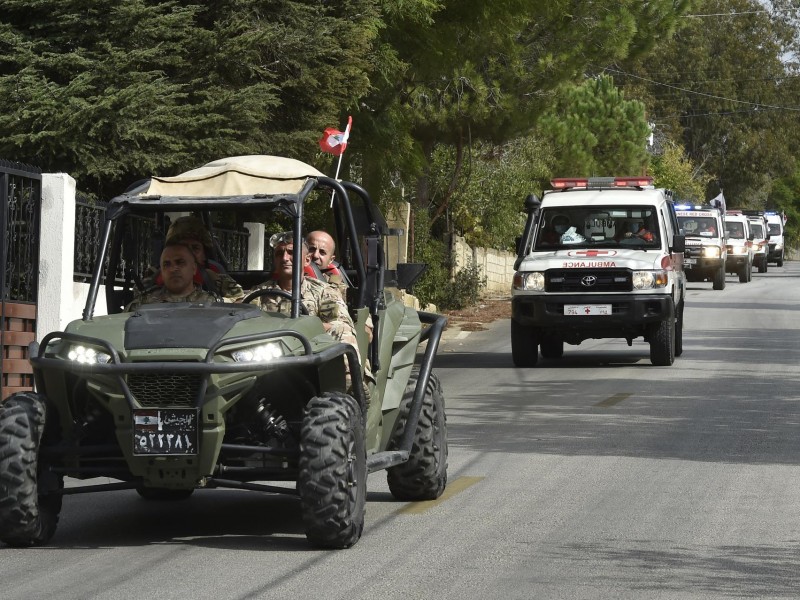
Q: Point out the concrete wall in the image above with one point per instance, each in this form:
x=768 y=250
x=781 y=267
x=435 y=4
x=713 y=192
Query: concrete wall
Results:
x=495 y=265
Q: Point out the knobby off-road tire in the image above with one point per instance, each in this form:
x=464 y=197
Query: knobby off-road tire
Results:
x=332 y=482
x=552 y=347
x=719 y=279
x=28 y=517
x=662 y=343
x=524 y=345
x=424 y=475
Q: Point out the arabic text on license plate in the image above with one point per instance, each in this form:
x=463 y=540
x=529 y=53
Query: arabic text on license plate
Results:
x=165 y=431
x=587 y=309
x=690 y=261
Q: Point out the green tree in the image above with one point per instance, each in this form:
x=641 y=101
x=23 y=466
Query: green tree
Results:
x=111 y=91
x=673 y=170
x=721 y=86
x=597 y=131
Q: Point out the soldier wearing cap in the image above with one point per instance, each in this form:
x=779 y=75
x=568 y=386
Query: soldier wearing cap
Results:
x=319 y=298
x=193 y=233
x=181 y=282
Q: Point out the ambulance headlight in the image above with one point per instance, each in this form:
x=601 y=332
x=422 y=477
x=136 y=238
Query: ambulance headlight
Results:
x=531 y=282
x=648 y=280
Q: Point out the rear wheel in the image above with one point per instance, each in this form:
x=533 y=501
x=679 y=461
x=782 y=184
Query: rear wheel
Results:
x=29 y=498
x=332 y=482
x=719 y=278
x=662 y=343
x=424 y=475
x=524 y=346
x=552 y=347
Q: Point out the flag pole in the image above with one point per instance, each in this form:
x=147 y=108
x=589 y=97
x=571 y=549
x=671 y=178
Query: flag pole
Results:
x=341 y=154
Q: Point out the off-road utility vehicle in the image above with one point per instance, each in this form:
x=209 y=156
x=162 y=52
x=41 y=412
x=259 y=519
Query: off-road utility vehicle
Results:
x=599 y=258
x=704 y=258
x=775 y=223
x=174 y=398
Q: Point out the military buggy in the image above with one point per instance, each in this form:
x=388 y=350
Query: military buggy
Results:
x=176 y=398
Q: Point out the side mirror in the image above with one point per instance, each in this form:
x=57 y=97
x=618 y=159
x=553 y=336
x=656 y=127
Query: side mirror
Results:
x=532 y=203
x=678 y=243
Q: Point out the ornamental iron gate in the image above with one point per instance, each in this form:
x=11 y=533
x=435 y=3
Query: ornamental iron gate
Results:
x=20 y=206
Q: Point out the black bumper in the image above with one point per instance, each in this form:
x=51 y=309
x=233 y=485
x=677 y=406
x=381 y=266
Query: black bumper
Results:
x=630 y=314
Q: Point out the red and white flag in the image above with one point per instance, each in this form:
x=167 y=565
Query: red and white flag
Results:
x=334 y=141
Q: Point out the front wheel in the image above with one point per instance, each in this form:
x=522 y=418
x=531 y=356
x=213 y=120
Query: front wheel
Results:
x=743 y=273
x=552 y=347
x=719 y=279
x=662 y=343
x=332 y=482
x=780 y=260
x=679 y=330
x=30 y=501
x=762 y=266
x=424 y=475
x=524 y=345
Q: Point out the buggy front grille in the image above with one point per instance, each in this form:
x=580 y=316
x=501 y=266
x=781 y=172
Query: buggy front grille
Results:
x=162 y=390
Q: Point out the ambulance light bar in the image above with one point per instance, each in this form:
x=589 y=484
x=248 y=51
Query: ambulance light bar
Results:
x=563 y=183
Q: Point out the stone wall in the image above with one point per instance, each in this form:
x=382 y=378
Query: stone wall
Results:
x=495 y=265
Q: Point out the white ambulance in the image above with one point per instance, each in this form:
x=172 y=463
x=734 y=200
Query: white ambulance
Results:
x=776 y=222
x=704 y=258
x=599 y=258
x=739 y=239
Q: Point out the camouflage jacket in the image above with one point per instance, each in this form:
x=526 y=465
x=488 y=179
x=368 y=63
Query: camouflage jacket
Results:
x=161 y=294
x=213 y=279
x=320 y=299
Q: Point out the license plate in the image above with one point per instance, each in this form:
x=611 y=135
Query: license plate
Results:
x=161 y=431
x=587 y=309
x=689 y=261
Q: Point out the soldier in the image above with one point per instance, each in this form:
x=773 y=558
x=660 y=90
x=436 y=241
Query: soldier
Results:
x=193 y=233
x=319 y=298
x=321 y=248
x=181 y=281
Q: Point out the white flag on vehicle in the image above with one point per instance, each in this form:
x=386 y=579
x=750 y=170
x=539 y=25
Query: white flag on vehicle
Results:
x=719 y=202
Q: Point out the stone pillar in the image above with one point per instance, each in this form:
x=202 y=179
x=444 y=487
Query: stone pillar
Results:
x=255 y=246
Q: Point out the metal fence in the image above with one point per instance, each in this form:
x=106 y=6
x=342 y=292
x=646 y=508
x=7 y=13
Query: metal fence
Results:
x=20 y=209
x=89 y=221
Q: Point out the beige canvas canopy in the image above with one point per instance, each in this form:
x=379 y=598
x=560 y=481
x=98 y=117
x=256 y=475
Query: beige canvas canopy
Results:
x=237 y=176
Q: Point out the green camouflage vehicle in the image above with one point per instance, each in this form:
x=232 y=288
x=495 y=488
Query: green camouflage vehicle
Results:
x=178 y=397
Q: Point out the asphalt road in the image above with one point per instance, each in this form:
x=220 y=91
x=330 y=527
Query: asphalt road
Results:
x=593 y=476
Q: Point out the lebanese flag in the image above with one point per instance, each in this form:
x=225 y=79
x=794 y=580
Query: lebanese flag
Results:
x=334 y=141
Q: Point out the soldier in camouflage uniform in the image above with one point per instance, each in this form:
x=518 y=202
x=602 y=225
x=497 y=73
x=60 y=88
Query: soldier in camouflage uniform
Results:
x=319 y=298
x=179 y=273
x=191 y=232
x=321 y=248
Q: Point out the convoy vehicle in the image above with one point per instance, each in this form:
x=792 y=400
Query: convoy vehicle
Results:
x=775 y=222
x=616 y=271
x=758 y=225
x=704 y=258
x=739 y=236
x=180 y=397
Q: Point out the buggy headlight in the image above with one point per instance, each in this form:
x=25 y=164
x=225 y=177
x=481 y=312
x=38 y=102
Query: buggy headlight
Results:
x=260 y=353
x=711 y=252
x=529 y=281
x=88 y=356
x=739 y=250
x=648 y=280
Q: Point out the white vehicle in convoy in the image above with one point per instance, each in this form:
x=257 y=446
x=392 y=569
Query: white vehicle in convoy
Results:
x=758 y=225
x=704 y=258
x=599 y=258
x=739 y=236
x=775 y=223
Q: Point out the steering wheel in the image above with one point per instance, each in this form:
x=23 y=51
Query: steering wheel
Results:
x=272 y=292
